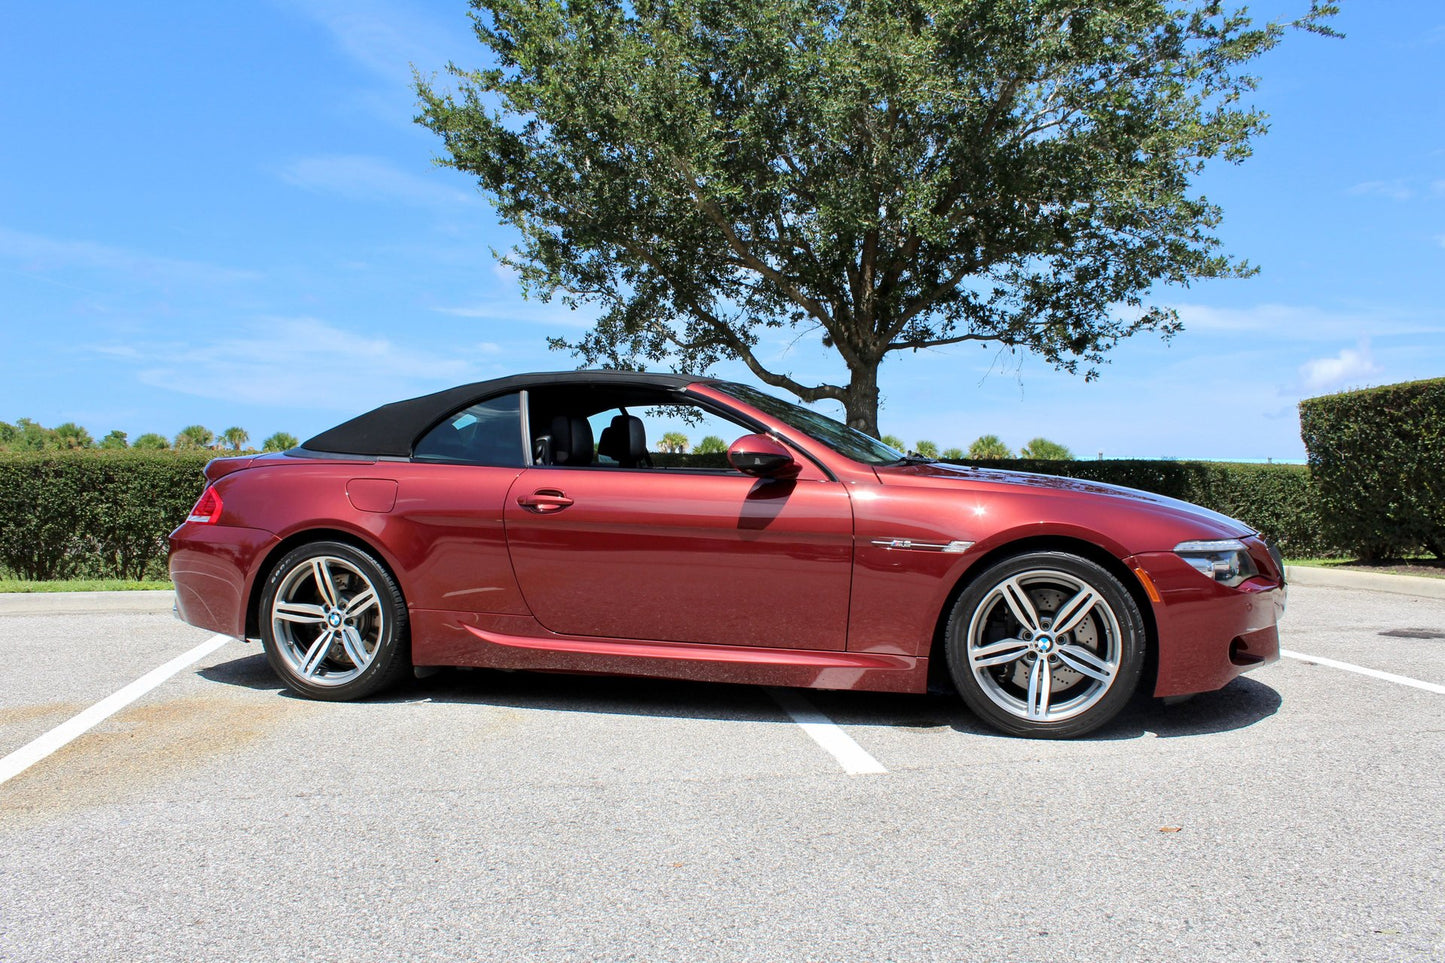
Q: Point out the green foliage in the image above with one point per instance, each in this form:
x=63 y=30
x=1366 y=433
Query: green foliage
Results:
x=1378 y=462
x=1277 y=500
x=1041 y=449
x=894 y=442
x=8 y=434
x=150 y=441
x=235 y=437
x=892 y=176
x=31 y=436
x=192 y=437
x=674 y=442
x=280 y=441
x=710 y=445
x=989 y=447
x=71 y=435
x=926 y=448
x=952 y=454
x=93 y=513
x=114 y=440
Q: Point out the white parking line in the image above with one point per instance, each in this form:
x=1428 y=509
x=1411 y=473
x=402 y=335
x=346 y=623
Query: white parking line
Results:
x=826 y=733
x=1372 y=673
x=65 y=733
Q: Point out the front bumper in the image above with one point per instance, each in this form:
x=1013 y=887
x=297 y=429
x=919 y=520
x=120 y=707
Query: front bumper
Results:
x=1210 y=633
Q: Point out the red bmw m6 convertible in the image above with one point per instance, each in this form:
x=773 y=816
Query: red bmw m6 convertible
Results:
x=532 y=522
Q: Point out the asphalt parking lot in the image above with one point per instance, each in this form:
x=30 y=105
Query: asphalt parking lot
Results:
x=1298 y=814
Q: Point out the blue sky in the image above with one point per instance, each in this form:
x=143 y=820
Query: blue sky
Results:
x=223 y=213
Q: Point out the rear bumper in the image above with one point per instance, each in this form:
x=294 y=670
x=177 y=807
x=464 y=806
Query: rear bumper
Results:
x=213 y=567
x=1209 y=633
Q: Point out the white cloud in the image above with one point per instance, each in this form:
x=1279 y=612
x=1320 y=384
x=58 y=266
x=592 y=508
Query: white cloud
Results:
x=34 y=252
x=1395 y=190
x=1350 y=367
x=371 y=179
x=549 y=314
x=387 y=38
x=1286 y=322
x=303 y=363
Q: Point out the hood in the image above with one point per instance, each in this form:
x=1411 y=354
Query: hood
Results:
x=939 y=475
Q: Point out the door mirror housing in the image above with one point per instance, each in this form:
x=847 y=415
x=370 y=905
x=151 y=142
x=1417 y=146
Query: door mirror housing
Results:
x=762 y=457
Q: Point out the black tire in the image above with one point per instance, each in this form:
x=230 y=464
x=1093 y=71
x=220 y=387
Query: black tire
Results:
x=336 y=644
x=1030 y=680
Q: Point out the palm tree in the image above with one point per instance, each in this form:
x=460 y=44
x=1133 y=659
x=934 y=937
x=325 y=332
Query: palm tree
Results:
x=150 y=441
x=711 y=445
x=926 y=448
x=235 y=437
x=953 y=454
x=192 y=437
x=71 y=435
x=280 y=441
x=894 y=442
x=115 y=439
x=989 y=447
x=674 y=442
x=1045 y=450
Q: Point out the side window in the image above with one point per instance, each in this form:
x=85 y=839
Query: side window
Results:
x=487 y=433
x=676 y=437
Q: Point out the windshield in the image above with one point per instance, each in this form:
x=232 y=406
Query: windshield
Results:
x=844 y=440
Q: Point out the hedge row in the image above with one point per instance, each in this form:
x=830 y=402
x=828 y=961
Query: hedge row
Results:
x=99 y=514
x=93 y=514
x=1378 y=461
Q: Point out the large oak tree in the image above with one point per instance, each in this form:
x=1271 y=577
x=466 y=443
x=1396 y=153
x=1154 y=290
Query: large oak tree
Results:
x=885 y=175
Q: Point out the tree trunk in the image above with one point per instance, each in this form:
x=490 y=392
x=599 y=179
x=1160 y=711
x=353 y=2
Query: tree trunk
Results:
x=861 y=402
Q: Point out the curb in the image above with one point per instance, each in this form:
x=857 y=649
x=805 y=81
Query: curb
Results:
x=81 y=603
x=1416 y=585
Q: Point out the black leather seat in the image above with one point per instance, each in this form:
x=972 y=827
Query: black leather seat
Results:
x=625 y=442
x=571 y=441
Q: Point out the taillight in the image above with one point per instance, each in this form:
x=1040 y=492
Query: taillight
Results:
x=208 y=509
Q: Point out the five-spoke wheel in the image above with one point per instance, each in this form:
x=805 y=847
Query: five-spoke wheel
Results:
x=1046 y=644
x=333 y=622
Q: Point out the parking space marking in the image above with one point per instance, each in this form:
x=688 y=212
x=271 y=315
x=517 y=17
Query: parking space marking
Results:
x=854 y=759
x=68 y=731
x=1372 y=673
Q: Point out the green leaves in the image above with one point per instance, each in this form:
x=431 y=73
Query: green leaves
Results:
x=880 y=174
x=1378 y=461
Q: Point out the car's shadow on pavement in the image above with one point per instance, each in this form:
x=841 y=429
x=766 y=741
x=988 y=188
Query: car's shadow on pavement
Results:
x=1238 y=705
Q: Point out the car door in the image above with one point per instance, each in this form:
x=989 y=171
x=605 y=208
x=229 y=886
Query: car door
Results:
x=684 y=555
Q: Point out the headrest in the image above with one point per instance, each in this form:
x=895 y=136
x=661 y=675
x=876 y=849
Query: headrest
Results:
x=571 y=441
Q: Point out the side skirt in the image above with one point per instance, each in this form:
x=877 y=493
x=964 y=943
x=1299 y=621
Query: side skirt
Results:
x=517 y=642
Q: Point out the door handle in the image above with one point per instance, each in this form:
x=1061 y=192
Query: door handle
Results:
x=544 y=501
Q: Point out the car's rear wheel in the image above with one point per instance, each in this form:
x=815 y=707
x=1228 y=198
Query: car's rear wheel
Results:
x=1046 y=645
x=334 y=623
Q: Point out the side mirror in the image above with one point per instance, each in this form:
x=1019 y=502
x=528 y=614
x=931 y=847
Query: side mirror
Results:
x=762 y=457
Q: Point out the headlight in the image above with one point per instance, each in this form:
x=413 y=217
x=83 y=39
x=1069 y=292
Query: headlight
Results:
x=1226 y=560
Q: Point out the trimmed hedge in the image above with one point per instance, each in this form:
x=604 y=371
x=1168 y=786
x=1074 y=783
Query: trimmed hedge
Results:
x=93 y=514
x=102 y=514
x=1378 y=462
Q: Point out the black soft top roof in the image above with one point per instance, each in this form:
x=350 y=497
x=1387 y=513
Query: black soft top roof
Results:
x=393 y=429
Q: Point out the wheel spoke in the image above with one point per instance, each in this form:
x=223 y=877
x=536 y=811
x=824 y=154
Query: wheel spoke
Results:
x=1020 y=604
x=316 y=653
x=355 y=648
x=302 y=612
x=1041 y=679
x=1072 y=612
x=999 y=653
x=1087 y=662
x=360 y=603
x=321 y=572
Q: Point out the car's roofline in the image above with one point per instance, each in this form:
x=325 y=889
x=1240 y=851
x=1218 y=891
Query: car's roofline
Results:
x=392 y=429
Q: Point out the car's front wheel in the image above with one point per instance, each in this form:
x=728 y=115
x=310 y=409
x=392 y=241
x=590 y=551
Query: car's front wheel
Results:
x=334 y=623
x=1046 y=645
